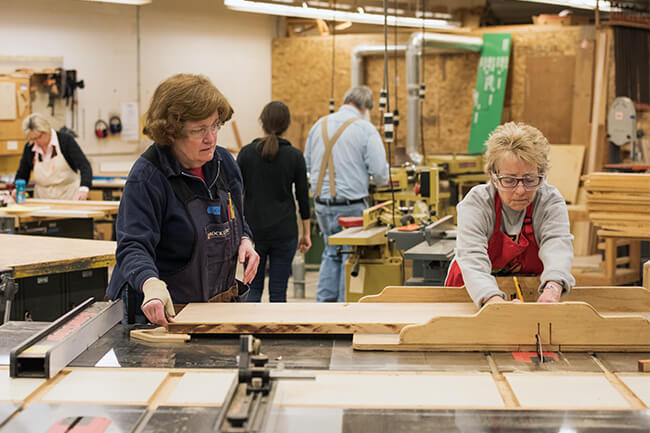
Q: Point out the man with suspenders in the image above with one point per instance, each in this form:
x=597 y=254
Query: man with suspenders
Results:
x=342 y=151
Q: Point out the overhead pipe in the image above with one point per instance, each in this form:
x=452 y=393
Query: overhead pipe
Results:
x=361 y=51
x=413 y=58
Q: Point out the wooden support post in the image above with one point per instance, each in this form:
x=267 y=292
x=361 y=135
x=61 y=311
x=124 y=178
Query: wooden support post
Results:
x=635 y=255
x=610 y=258
x=646 y=275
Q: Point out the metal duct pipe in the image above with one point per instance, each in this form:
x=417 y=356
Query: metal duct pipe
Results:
x=413 y=57
x=361 y=51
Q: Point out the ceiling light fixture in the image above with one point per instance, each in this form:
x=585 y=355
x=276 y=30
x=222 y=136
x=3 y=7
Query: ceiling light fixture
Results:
x=336 y=15
x=578 y=4
x=343 y=26
x=124 y=2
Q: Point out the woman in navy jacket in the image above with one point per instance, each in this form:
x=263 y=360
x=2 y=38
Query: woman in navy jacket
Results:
x=180 y=227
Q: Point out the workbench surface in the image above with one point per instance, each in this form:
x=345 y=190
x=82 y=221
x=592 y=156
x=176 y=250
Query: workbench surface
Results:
x=41 y=255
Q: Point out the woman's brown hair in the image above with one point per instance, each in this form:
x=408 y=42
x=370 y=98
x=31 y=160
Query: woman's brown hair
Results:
x=180 y=98
x=275 y=120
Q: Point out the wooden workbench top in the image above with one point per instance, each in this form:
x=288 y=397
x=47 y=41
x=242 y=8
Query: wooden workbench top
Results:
x=41 y=255
x=37 y=209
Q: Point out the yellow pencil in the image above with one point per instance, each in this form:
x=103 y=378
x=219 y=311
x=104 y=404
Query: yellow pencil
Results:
x=521 y=298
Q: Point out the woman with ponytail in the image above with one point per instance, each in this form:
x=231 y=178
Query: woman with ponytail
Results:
x=271 y=167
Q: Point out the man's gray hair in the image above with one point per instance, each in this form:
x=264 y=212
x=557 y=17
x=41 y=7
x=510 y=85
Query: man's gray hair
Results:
x=360 y=97
x=36 y=122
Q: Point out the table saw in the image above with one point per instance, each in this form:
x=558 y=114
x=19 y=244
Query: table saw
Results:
x=120 y=384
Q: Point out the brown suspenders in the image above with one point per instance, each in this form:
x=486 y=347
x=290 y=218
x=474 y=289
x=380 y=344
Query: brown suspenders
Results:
x=328 y=161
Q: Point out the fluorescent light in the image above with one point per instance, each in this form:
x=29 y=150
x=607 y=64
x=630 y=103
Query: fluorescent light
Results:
x=343 y=26
x=328 y=14
x=578 y=4
x=124 y=2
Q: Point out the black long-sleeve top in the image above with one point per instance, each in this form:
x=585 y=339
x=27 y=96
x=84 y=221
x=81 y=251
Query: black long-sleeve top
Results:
x=72 y=153
x=269 y=204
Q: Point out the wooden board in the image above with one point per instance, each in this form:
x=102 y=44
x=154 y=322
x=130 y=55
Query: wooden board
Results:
x=568 y=326
x=391 y=390
x=202 y=388
x=106 y=385
x=17 y=389
x=358 y=236
x=582 y=86
x=566 y=169
x=307 y=318
x=639 y=384
x=548 y=95
x=564 y=391
x=42 y=255
x=603 y=299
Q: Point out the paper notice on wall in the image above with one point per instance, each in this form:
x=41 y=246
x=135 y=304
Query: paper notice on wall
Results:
x=7 y=100
x=12 y=145
x=130 y=121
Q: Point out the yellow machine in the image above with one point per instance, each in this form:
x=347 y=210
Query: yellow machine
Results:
x=417 y=195
x=374 y=263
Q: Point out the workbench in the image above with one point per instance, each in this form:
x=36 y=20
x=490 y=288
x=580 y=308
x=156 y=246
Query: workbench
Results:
x=63 y=218
x=54 y=274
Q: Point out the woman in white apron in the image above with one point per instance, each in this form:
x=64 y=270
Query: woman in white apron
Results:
x=61 y=170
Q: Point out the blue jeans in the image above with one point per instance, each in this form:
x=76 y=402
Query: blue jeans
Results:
x=280 y=256
x=331 y=278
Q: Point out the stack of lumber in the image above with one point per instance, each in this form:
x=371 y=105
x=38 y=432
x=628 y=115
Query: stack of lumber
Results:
x=619 y=202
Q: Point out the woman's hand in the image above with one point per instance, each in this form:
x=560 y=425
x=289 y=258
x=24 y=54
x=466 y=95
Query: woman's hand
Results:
x=157 y=304
x=81 y=195
x=304 y=243
x=552 y=292
x=249 y=256
x=496 y=299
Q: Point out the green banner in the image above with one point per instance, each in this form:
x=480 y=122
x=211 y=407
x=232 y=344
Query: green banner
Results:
x=490 y=88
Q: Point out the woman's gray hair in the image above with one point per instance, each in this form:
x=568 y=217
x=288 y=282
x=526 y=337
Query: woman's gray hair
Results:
x=360 y=97
x=36 y=122
x=523 y=141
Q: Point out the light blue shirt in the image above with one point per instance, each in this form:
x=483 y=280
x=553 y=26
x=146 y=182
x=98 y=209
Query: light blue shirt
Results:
x=358 y=154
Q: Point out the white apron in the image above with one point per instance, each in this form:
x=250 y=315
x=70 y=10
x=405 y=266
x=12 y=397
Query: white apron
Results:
x=54 y=179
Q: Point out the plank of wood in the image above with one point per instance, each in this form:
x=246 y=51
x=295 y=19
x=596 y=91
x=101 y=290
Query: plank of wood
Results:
x=202 y=388
x=158 y=335
x=547 y=102
x=12 y=389
x=599 y=101
x=624 y=299
x=106 y=385
x=358 y=236
x=42 y=255
x=564 y=391
x=391 y=390
x=582 y=86
x=639 y=384
x=646 y=275
x=311 y=318
x=567 y=326
x=566 y=169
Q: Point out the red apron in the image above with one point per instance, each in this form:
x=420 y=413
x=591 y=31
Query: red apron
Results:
x=507 y=256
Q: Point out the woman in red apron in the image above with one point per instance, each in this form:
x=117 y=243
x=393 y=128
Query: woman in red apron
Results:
x=500 y=223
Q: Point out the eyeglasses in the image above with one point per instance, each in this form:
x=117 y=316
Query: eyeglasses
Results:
x=200 y=133
x=530 y=183
x=37 y=137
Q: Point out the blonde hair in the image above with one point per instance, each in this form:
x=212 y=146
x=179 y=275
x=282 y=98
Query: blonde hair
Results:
x=36 y=122
x=523 y=141
x=180 y=98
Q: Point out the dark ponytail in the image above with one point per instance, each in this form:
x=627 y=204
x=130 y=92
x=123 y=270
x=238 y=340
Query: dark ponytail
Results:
x=275 y=120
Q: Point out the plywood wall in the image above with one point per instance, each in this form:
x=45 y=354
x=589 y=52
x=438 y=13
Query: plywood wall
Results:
x=301 y=77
